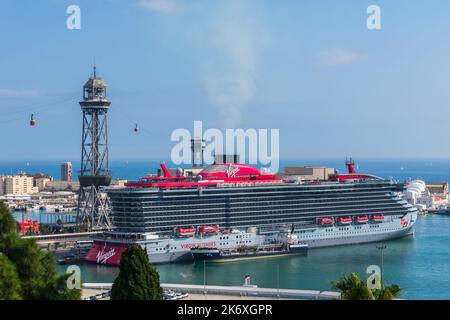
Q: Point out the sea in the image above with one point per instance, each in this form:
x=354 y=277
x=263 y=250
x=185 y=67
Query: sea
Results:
x=418 y=264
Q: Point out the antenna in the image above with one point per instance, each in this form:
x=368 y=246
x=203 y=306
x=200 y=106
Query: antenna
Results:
x=95 y=70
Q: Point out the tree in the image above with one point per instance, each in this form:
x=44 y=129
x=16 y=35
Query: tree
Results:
x=353 y=288
x=388 y=293
x=9 y=280
x=7 y=228
x=34 y=267
x=137 y=279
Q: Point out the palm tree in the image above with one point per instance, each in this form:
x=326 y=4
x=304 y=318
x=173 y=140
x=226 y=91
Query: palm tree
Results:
x=353 y=288
x=388 y=293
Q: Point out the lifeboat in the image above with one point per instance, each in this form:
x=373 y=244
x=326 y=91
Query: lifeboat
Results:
x=185 y=232
x=326 y=221
x=362 y=219
x=345 y=221
x=208 y=229
x=378 y=218
x=225 y=231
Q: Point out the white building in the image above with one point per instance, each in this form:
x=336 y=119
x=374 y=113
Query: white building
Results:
x=19 y=184
x=418 y=195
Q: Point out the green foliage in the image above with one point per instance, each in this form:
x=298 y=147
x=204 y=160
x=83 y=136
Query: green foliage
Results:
x=353 y=288
x=9 y=280
x=137 y=279
x=34 y=268
x=7 y=228
x=388 y=293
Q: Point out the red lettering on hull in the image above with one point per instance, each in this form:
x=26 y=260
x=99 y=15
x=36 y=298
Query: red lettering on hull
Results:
x=201 y=244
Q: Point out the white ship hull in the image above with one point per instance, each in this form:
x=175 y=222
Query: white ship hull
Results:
x=176 y=250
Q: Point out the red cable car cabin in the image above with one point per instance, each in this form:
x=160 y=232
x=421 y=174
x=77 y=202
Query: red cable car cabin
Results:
x=32 y=121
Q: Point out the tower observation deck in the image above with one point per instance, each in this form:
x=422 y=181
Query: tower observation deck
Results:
x=93 y=205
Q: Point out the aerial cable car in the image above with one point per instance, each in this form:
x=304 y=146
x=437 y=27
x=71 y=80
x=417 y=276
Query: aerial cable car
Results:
x=136 y=129
x=32 y=121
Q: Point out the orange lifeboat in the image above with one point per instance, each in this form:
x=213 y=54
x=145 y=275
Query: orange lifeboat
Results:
x=185 y=232
x=326 y=221
x=378 y=218
x=208 y=229
x=345 y=221
x=362 y=219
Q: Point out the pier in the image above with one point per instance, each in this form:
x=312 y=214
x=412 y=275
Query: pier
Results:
x=67 y=247
x=235 y=292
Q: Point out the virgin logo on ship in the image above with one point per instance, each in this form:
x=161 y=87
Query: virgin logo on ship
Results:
x=191 y=245
x=231 y=172
x=103 y=256
x=404 y=222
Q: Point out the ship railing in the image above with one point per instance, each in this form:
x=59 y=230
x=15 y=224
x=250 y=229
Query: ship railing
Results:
x=125 y=236
x=278 y=228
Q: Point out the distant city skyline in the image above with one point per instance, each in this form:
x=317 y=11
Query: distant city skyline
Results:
x=311 y=69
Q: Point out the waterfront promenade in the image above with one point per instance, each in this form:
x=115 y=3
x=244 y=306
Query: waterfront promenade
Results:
x=200 y=292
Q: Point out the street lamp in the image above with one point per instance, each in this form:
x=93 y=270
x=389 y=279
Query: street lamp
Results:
x=381 y=248
x=278 y=281
x=204 y=278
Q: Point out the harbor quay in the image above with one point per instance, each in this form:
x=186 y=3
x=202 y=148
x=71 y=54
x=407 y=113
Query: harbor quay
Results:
x=214 y=292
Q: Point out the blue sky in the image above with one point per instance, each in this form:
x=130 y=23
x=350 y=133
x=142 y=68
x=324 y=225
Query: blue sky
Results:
x=309 y=68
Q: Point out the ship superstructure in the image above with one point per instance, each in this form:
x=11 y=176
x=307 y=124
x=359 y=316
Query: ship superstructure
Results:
x=229 y=205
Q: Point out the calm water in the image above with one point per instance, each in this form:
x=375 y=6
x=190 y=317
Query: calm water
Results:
x=418 y=264
x=45 y=217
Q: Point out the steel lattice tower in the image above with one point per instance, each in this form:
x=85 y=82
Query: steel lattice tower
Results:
x=93 y=205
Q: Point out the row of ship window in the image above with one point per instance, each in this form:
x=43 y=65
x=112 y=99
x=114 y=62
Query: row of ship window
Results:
x=233 y=222
x=373 y=226
x=349 y=210
x=247 y=198
x=222 y=218
x=221 y=243
x=225 y=218
x=249 y=201
x=142 y=227
x=351 y=232
x=310 y=206
x=333 y=191
x=128 y=226
x=356 y=227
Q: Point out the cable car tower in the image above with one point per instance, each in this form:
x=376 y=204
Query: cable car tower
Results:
x=93 y=205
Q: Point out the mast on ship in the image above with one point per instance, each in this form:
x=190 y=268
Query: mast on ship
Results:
x=350 y=163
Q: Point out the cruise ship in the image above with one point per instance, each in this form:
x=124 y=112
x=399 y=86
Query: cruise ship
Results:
x=231 y=205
